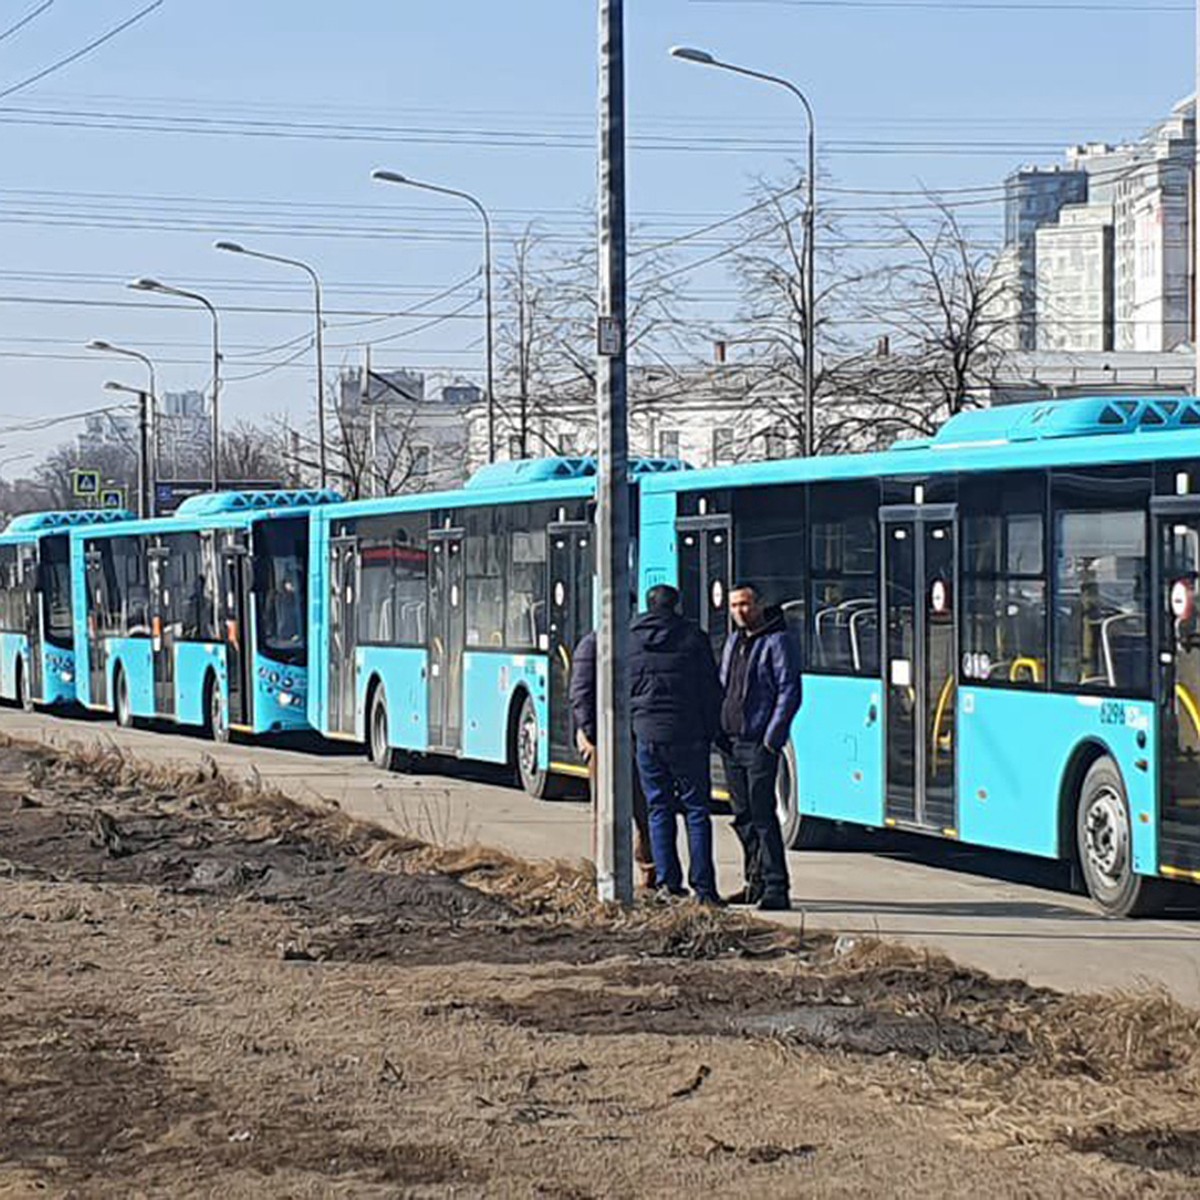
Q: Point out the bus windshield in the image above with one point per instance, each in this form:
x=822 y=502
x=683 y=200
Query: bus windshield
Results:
x=56 y=591
x=280 y=573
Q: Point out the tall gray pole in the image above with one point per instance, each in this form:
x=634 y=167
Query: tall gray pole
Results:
x=810 y=288
x=145 y=483
x=614 y=780
x=1196 y=212
x=705 y=59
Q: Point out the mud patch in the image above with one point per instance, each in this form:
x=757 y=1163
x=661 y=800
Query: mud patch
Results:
x=83 y=1086
x=921 y=1020
x=1172 y=1150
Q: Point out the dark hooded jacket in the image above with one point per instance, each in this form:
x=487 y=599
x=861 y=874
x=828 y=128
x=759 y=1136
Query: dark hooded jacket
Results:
x=583 y=688
x=675 y=695
x=770 y=684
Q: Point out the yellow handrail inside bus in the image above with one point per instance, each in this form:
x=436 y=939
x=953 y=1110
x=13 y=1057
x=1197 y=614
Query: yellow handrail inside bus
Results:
x=1025 y=664
x=565 y=656
x=939 y=713
x=1188 y=703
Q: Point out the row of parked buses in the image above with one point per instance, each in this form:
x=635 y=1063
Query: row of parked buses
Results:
x=999 y=624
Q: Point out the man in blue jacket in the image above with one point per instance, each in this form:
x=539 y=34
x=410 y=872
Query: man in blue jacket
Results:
x=760 y=673
x=675 y=702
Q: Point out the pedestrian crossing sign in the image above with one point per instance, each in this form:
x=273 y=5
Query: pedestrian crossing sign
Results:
x=85 y=483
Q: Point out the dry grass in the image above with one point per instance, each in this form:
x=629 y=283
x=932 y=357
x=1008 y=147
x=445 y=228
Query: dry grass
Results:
x=1120 y=1062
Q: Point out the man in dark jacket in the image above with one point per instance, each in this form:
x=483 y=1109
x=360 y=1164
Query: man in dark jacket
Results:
x=675 y=701
x=583 y=721
x=760 y=672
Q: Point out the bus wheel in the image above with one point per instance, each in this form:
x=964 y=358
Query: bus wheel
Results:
x=218 y=722
x=122 y=709
x=538 y=783
x=1104 y=838
x=24 y=693
x=799 y=832
x=378 y=750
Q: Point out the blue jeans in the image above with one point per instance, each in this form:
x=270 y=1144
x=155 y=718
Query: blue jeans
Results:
x=677 y=783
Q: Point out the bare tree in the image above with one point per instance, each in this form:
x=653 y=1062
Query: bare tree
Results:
x=253 y=453
x=944 y=330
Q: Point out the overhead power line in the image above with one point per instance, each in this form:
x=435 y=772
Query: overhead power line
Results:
x=82 y=52
x=967 y=6
x=17 y=26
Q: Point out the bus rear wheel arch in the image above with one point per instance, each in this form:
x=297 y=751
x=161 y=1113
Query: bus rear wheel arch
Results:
x=216 y=715
x=1104 y=845
x=122 y=708
x=379 y=750
x=24 y=689
x=799 y=832
x=524 y=739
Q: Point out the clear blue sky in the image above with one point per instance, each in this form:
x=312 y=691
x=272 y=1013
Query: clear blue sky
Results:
x=131 y=161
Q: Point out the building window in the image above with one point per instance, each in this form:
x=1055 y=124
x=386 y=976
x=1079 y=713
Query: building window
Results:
x=668 y=443
x=776 y=443
x=722 y=445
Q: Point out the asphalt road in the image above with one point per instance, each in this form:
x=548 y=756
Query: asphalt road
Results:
x=1007 y=914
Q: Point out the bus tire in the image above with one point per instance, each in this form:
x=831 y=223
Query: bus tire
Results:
x=122 y=709
x=382 y=755
x=216 y=718
x=526 y=734
x=1104 y=843
x=24 y=692
x=799 y=832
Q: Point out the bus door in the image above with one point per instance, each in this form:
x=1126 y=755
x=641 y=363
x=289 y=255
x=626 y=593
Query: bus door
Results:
x=234 y=576
x=162 y=629
x=31 y=586
x=571 y=562
x=343 y=632
x=920 y=656
x=97 y=623
x=447 y=638
x=705 y=567
x=1176 y=633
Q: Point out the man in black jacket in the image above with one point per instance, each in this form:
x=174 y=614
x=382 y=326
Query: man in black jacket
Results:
x=583 y=720
x=675 y=702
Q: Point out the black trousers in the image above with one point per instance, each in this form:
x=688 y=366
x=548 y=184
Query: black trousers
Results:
x=750 y=770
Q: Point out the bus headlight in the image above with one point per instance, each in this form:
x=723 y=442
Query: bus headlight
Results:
x=67 y=676
x=285 y=699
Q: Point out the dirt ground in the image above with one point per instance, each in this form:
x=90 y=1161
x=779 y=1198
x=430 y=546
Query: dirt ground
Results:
x=206 y=989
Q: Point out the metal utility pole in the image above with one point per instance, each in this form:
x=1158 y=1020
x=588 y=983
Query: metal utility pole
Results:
x=1196 y=212
x=163 y=289
x=319 y=336
x=705 y=59
x=155 y=458
x=614 y=778
x=145 y=505
x=382 y=176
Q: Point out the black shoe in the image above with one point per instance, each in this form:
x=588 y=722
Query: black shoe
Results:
x=747 y=895
x=665 y=895
x=712 y=901
x=774 y=904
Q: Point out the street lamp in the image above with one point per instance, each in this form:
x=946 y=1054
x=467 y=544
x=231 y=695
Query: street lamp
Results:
x=153 y=285
x=237 y=248
x=705 y=59
x=104 y=347
x=381 y=176
x=145 y=503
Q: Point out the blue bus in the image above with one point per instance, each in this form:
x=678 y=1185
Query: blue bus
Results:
x=999 y=624
x=198 y=618
x=37 y=639
x=444 y=623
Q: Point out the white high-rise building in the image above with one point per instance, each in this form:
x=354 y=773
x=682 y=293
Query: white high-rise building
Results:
x=1074 y=280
